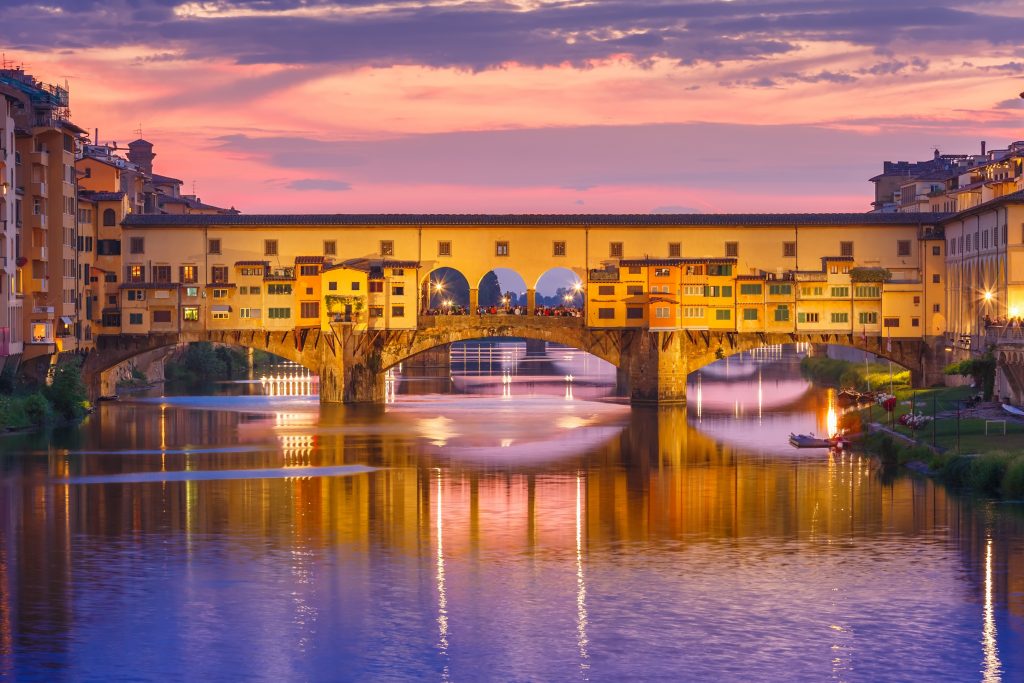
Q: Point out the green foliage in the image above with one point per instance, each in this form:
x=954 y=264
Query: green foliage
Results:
x=37 y=410
x=202 y=362
x=865 y=274
x=1013 y=480
x=67 y=393
x=490 y=290
x=956 y=472
x=12 y=413
x=981 y=369
x=987 y=472
x=842 y=373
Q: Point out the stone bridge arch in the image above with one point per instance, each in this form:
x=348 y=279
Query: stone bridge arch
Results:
x=105 y=364
x=443 y=330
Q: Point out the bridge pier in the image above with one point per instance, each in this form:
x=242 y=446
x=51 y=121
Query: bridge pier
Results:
x=655 y=367
x=531 y=301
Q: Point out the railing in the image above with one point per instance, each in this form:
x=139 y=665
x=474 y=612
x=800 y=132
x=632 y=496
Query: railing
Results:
x=1004 y=334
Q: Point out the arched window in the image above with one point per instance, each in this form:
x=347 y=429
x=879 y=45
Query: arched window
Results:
x=109 y=217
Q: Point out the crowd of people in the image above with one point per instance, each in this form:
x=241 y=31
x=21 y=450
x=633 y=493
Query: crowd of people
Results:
x=547 y=311
x=1015 y=321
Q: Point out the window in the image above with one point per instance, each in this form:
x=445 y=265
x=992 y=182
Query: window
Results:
x=376 y=286
x=693 y=312
x=936 y=308
x=634 y=312
x=615 y=249
x=332 y=286
x=254 y=290
x=558 y=249
x=108 y=247
x=220 y=294
x=112 y=299
x=134 y=318
x=789 y=249
x=330 y=247
x=891 y=322
x=398 y=272
x=903 y=248
x=917 y=301
x=720 y=270
x=984 y=239
x=309 y=270
x=723 y=314
x=936 y=278
x=782 y=314
x=840 y=317
x=750 y=314
x=634 y=270
x=936 y=250
x=190 y=313
x=136 y=295
x=397 y=290
x=606 y=290
x=398 y=311
x=220 y=315
x=807 y=317
x=243 y=290
x=662 y=313
x=867 y=291
x=606 y=314
x=694 y=270
x=751 y=290
x=444 y=248
x=248 y=313
x=867 y=318
x=109 y=217
x=188 y=274
x=279 y=289
x=387 y=248
x=732 y=249
x=915 y=322
x=675 y=249
x=111 y=319
x=711 y=290
x=252 y=272
x=161 y=273
x=727 y=291
x=218 y=274
x=161 y=316
x=135 y=273
x=136 y=245
x=279 y=313
x=780 y=290
x=693 y=290
x=501 y=248
x=634 y=290
x=309 y=309
x=191 y=291
x=270 y=247
x=811 y=291
x=356 y=284
x=661 y=272
x=213 y=246
x=841 y=292
x=376 y=311
x=846 y=248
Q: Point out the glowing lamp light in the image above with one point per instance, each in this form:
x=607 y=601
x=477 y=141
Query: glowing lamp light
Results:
x=577 y=286
x=438 y=287
x=1014 y=312
x=567 y=297
x=988 y=295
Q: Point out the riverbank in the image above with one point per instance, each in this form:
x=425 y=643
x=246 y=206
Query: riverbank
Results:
x=62 y=401
x=963 y=446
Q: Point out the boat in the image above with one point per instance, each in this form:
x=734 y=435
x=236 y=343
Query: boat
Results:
x=811 y=441
x=1012 y=410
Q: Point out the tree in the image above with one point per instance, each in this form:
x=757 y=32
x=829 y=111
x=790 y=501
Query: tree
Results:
x=67 y=392
x=490 y=290
x=982 y=370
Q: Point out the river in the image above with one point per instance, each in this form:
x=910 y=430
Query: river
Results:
x=510 y=521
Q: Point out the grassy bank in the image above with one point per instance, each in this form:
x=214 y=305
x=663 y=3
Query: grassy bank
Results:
x=63 y=400
x=841 y=373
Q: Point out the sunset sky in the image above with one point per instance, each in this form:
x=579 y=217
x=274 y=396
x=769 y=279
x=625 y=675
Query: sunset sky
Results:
x=298 y=106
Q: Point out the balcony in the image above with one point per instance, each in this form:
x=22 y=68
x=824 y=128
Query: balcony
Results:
x=39 y=189
x=39 y=221
x=42 y=310
x=40 y=156
x=41 y=285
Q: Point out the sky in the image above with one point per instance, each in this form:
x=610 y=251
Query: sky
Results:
x=530 y=106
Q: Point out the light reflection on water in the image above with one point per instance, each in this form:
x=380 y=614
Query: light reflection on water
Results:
x=527 y=537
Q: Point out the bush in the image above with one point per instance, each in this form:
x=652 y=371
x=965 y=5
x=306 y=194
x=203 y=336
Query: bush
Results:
x=37 y=410
x=987 y=472
x=67 y=392
x=1013 y=481
x=12 y=413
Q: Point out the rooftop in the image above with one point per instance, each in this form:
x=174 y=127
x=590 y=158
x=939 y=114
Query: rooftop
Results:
x=692 y=219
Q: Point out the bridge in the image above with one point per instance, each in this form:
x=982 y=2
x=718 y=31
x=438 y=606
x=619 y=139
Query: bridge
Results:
x=652 y=366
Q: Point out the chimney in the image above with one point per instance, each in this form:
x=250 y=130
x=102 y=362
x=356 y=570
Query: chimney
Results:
x=982 y=148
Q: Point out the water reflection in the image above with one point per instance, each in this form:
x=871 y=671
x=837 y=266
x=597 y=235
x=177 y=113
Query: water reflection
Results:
x=487 y=537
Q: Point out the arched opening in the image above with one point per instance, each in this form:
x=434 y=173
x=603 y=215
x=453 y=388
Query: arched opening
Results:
x=502 y=290
x=109 y=217
x=560 y=288
x=445 y=292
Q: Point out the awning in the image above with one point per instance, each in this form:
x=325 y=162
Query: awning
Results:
x=220 y=308
x=66 y=320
